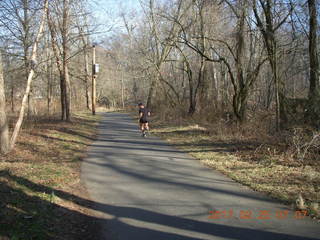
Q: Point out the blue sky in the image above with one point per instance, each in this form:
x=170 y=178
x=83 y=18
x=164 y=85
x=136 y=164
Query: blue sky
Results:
x=110 y=9
x=107 y=12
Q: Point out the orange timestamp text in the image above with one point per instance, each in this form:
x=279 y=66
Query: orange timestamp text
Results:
x=260 y=215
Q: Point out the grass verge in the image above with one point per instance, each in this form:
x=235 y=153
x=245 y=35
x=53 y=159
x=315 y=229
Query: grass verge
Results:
x=40 y=190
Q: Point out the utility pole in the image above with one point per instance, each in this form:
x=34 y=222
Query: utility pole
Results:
x=94 y=76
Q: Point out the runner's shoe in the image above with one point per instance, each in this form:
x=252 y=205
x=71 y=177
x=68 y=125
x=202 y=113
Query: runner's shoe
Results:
x=148 y=133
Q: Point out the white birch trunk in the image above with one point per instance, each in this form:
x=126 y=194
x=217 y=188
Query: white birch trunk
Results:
x=29 y=81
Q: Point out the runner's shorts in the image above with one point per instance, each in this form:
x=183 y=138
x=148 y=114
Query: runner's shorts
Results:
x=143 y=120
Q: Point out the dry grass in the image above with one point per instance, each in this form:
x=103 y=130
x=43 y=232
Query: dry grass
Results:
x=40 y=190
x=249 y=155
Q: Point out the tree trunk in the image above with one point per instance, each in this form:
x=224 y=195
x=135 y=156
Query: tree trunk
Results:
x=4 y=130
x=49 y=86
x=241 y=94
x=268 y=30
x=314 y=88
x=87 y=78
x=281 y=116
x=65 y=90
x=29 y=108
x=192 y=100
x=49 y=95
x=25 y=41
x=192 y=97
x=202 y=86
x=12 y=98
x=240 y=100
x=215 y=86
x=49 y=71
x=152 y=90
x=57 y=55
x=63 y=96
x=87 y=96
x=202 y=81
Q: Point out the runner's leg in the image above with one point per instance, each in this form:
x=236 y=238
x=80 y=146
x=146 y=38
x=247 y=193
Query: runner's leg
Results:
x=146 y=127
x=141 y=127
x=144 y=130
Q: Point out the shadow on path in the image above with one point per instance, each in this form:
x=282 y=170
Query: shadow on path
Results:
x=117 y=213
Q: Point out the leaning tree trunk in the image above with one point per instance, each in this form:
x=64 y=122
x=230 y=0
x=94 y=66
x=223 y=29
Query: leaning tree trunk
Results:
x=4 y=130
x=26 y=46
x=30 y=77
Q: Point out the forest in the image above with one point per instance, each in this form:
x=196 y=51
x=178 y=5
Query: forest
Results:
x=243 y=72
x=240 y=61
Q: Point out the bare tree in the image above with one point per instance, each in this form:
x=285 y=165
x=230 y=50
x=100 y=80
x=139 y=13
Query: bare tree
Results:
x=19 y=26
x=199 y=55
x=33 y=61
x=62 y=54
x=242 y=70
x=268 y=27
x=65 y=60
x=85 y=42
x=161 y=47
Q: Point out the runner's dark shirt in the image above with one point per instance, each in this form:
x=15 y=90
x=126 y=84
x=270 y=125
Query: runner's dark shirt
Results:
x=144 y=112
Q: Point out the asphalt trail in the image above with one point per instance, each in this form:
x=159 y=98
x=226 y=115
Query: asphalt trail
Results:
x=145 y=189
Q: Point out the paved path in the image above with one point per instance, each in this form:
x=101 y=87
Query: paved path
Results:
x=147 y=190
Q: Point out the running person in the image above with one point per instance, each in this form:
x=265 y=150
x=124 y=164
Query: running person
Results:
x=144 y=113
